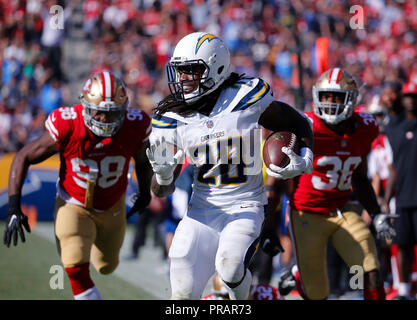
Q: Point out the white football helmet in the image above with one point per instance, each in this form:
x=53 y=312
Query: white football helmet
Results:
x=335 y=80
x=203 y=55
x=104 y=92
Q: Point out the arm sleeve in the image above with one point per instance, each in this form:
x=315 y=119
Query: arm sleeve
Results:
x=57 y=127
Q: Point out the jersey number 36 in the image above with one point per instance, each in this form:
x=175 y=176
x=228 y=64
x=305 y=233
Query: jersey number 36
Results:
x=340 y=174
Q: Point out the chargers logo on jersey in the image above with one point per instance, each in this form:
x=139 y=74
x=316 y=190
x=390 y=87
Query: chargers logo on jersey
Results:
x=203 y=38
x=255 y=95
x=159 y=121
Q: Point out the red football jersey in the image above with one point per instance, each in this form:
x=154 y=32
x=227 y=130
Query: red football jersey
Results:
x=84 y=156
x=335 y=158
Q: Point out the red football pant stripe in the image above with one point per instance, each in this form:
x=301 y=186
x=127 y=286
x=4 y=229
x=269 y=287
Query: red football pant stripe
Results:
x=299 y=286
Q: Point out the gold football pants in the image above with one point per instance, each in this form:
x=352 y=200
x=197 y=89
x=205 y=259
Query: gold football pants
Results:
x=85 y=235
x=349 y=235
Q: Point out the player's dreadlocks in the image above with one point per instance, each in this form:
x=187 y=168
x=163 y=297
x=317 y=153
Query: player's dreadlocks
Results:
x=203 y=106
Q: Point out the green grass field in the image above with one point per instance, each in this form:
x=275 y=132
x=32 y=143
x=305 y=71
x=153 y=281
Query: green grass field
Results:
x=25 y=274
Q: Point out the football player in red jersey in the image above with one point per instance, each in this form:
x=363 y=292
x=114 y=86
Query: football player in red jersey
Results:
x=320 y=206
x=96 y=141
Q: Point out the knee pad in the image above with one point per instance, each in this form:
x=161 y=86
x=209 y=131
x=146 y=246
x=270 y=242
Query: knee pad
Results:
x=230 y=270
x=233 y=285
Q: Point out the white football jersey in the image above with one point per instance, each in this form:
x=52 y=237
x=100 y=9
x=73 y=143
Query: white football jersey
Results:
x=224 y=147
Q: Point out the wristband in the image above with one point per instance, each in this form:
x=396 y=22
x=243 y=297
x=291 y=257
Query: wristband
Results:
x=308 y=157
x=306 y=153
x=14 y=202
x=163 y=182
x=272 y=188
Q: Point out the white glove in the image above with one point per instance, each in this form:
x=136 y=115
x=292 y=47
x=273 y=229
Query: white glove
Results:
x=299 y=164
x=163 y=162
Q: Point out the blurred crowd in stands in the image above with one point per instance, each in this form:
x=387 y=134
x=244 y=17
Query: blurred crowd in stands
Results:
x=134 y=38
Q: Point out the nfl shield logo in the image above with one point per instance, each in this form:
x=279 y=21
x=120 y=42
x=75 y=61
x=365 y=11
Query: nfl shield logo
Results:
x=343 y=143
x=209 y=124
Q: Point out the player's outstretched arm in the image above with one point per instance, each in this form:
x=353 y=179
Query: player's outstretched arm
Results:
x=390 y=189
x=34 y=152
x=162 y=191
x=269 y=241
x=144 y=175
x=365 y=191
x=366 y=196
x=279 y=116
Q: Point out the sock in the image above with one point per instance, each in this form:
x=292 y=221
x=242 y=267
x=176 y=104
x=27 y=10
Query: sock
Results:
x=242 y=291
x=404 y=289
x=374 y=294
x=89 y=294
x=80 y=279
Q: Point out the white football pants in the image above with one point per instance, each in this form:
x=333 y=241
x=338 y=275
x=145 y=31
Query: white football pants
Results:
x=213 y=240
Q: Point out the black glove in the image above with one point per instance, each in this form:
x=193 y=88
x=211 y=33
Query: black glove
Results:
x=383 y=226
x=141 y=202
x=14 y=221
x=270 y=243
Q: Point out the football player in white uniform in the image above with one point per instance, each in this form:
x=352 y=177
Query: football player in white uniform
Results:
x=214 y=117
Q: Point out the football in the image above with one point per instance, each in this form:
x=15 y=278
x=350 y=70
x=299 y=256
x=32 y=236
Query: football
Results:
x=272 y=148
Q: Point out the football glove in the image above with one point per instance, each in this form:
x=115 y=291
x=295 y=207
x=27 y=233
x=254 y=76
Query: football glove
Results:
x=286 y=282
x=163 y=162
x=270 y=243
x=14 y=222
x=383 y=226
x=299 y=164
x=141 y=202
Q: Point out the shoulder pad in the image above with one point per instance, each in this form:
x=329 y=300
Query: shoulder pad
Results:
x=260 y=90
x=160 y=121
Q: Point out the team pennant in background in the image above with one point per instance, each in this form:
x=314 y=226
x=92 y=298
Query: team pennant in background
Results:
x=319 y=55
